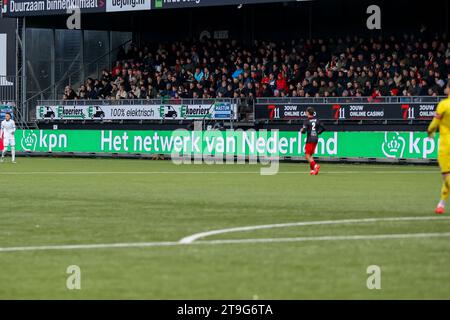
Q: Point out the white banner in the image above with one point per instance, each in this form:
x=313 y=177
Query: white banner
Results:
x=127 y=5
x=219 y=110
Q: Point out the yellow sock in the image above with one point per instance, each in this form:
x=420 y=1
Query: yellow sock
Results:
x=445 y=188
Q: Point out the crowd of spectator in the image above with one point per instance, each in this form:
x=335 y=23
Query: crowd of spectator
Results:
x=342 y=67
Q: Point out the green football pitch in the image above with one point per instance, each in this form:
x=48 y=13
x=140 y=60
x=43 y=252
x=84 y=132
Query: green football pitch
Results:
x=138 y=229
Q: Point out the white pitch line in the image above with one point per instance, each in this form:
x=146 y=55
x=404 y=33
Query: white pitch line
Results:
x=203 y=172
x=201 y=235
x=329 y=238
x=191 y=239
x=90 y=246
x=230 y=241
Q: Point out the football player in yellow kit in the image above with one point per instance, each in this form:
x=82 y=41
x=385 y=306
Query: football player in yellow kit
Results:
x=441 y=121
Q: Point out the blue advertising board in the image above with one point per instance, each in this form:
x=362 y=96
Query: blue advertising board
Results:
x=4 y=109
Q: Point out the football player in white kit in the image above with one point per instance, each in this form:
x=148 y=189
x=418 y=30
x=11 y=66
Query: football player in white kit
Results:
x=8 y=128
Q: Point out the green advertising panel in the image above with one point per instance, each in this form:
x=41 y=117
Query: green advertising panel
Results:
x=408 y=145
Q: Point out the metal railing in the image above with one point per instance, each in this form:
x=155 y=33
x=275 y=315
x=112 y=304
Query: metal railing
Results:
x=288 y=100
x=121 y=102
x=331 y=100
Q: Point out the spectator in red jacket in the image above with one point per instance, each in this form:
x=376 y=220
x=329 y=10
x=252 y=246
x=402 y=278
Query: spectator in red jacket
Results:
x=281 y=83
x=117 y=69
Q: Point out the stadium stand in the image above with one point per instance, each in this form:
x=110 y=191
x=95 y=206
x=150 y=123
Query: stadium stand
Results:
x=349 y=66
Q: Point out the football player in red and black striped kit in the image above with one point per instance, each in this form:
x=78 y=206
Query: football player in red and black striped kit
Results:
x=313 y=128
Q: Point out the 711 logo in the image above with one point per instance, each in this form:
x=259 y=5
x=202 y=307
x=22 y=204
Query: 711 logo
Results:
x=408 y=111
x=339 y=112
x=274 y=112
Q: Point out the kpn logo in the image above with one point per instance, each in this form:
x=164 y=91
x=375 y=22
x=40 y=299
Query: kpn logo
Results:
x=41 y=140
x=408 y=145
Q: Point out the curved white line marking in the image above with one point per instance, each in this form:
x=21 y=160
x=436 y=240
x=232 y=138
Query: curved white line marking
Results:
x=329 y=238
x=191 y=239
x=194 y=237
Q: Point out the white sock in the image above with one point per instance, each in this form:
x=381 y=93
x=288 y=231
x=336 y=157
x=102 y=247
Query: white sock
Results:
x=441 y=204
x=3 y=153
x=13 y=153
